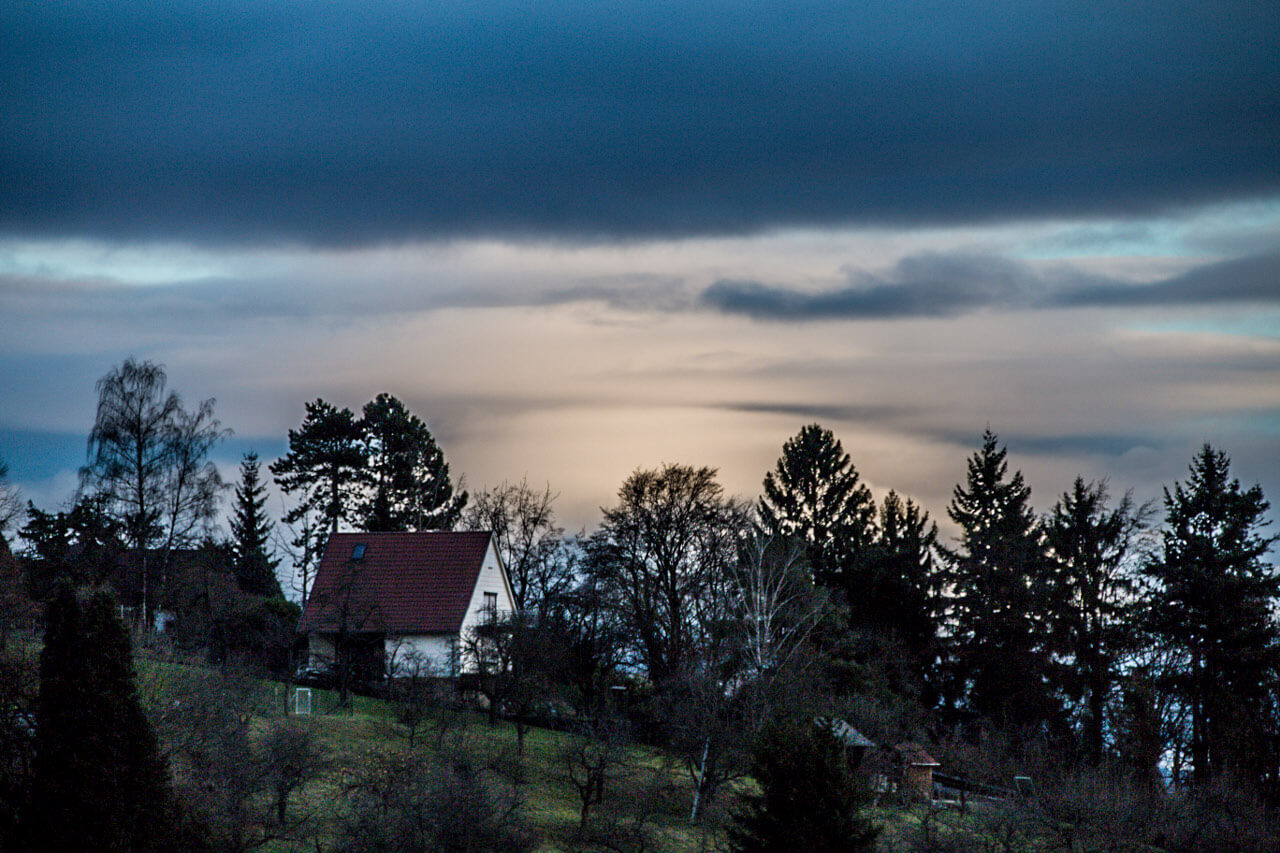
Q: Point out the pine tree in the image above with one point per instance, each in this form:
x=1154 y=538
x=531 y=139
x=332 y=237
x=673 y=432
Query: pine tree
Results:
x=98 y=782
x=808 y=798
x=407 y=476
x=325 y=463
x=999 y=577
x=251 y=560
x=815 y=495
x=1215 y=601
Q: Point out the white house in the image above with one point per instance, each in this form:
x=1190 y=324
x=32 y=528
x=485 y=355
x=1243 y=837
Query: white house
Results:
x=396 y=600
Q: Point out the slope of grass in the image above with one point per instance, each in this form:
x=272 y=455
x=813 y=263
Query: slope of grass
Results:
x=355 y=737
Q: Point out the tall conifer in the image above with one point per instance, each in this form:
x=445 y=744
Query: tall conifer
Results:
x=815 y=495
x=98 y=782
x=1093 y=608
x=808 y=798
x=1215 y=600
x=407 y=476
x=252 y=563
x=325 y=464
x=999 y=653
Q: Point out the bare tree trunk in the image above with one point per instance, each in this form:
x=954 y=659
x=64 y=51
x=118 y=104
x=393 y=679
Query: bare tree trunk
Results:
x=702 y=775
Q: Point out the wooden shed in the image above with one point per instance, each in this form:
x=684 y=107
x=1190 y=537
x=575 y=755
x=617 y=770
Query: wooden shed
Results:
x=916 y=768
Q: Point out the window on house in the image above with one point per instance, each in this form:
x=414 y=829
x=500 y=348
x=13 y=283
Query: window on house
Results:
x=491 y=604
x=357 y=553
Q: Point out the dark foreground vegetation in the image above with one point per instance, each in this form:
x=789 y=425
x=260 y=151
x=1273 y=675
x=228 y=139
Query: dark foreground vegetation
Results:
x=1101 y=676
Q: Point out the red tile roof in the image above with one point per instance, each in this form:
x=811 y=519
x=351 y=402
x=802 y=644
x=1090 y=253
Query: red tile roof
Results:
x=405 y=583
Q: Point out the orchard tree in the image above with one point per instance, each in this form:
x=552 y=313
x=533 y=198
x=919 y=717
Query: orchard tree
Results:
x=324 y=466
x=1215 y=601
x=251 y=531
x=406 y=479
x=148 y=462
x=1000 y=586
x=523 y=523
x=815 y=495
x=1093 y=548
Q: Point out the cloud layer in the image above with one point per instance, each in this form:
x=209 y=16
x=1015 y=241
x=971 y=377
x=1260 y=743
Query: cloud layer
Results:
x=946 y=285
x=355 y=123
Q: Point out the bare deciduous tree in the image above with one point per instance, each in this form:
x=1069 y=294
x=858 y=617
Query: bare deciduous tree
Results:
x=776 y=606
x=10 y=500
x=148 y=459
x=663 y=554
x=399 y=803
x=289 y=759
x=524 y=529
x=591 y=759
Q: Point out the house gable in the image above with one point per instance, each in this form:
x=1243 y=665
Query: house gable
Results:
x=406 y=584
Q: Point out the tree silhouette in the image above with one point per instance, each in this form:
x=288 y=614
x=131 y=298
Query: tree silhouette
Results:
x=808 y=798
x=10 y=500
x=98 y=782
x=663 y=554
x=254 y=567
x=1214 y=601
x=999 y=576
x=1094 y=595
x=148 y=460
x=814 y=495
x=900 y=594
x=325 y=464
x=407 y=476
x=523 y=523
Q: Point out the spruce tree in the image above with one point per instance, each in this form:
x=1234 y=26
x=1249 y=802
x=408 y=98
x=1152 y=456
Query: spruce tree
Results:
x=815 y=495
x=902 y=596
x=1093 y=607
x=98 y=782
x=808 y=797
x=254 y=568
x=999 y=575
x=1215 y=601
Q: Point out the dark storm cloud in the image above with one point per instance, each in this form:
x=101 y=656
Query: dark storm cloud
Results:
x=823 y=411
x=1093 y=444
x=928 y=285
x=937 y=285
x=1255 y=279
x=357 y=122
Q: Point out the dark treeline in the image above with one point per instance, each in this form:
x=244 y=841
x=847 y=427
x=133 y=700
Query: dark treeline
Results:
x=1136 y=642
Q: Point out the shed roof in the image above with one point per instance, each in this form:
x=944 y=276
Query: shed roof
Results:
x=845 y=732
x=402 y=583
x=914 y=755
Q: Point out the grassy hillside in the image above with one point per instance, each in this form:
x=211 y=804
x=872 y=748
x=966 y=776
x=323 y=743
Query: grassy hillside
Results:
x=540 y=776
x=645 y=791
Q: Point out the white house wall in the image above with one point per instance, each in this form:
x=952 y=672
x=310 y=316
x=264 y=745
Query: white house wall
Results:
x=490 y=579
x=431 y=654
x=320 y=651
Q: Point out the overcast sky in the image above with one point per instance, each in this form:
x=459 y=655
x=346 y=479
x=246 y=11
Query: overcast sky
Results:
x=582 y=238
